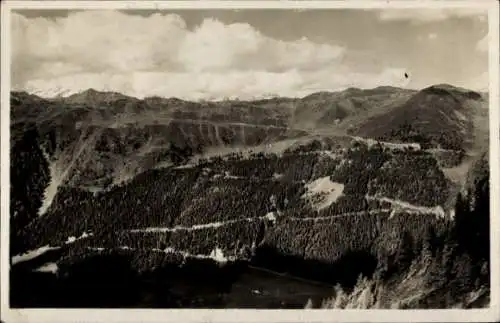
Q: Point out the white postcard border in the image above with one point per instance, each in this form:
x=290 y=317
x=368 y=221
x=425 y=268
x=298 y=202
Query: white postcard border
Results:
x=188 y=315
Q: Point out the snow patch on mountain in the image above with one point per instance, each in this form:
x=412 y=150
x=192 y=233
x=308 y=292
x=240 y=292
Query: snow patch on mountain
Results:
x=49 y=267
x=72 y=239
x=32 y=254
x=216 y=254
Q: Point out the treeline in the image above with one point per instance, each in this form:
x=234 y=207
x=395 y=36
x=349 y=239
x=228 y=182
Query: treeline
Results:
x=205 y=194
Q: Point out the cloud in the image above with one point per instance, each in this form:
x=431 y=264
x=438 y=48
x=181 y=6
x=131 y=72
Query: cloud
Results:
x=159 y=55
x=98 y=41
x=427 y=15
x=214 y=85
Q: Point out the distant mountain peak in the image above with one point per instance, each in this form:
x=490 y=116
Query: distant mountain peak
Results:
x=353 y=89
x=94 y=95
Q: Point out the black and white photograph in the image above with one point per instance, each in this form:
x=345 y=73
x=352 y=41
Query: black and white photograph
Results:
x=226 y=157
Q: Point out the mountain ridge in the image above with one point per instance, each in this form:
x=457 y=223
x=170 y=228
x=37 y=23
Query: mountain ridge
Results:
x=93 y=91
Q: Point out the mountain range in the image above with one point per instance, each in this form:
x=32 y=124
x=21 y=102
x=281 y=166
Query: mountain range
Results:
x=375 y=183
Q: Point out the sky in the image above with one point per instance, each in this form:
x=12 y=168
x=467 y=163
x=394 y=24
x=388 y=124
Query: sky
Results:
x=245 y=54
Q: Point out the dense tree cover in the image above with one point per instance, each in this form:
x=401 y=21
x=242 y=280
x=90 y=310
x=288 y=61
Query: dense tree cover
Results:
x=407 y=133
x=414 y=178
x=233 y=239
x=460 y=257
x=441 y=265
x=472 y=212
x=151 y=199
x=29 y=175
x=220 y=190
x=409 y=176
x=354 y=234
x=394 y=241
x=359 y=166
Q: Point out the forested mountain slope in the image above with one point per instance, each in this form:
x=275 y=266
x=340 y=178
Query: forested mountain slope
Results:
x=450 y=271
x=163 y=190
